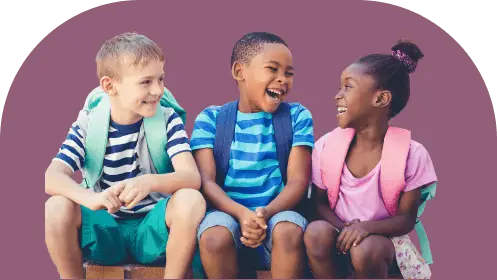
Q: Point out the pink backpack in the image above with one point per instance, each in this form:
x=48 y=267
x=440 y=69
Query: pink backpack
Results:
x=392 y=177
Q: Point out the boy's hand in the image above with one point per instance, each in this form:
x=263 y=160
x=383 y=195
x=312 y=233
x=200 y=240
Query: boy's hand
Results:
x=107 y=199
x=262 y=214
x=134 y=190
x=351 y=236
x=253 y=229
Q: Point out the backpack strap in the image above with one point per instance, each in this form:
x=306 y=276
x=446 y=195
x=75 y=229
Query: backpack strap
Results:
x=392 y=180
x=156 y=137
x=333 y=157
x=393 y=165
x=169 y=101
x=96 y=138
x=225 y=132
x=283 y=134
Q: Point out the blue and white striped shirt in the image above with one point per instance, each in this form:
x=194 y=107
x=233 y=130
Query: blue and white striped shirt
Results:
x=254 y=177
x=121 y=157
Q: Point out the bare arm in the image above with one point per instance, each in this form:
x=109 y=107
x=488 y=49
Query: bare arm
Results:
x=185 y=175
x=213 y=192
x=403 y=222
x=58 y=181
x=298 y=171
x=323 y=210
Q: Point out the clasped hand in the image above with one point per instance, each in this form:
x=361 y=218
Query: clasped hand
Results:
x=126 y=193
x=253 y=227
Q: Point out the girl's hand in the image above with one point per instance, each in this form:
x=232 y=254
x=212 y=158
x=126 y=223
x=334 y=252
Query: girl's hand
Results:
x=351 y=236
x=354 y=221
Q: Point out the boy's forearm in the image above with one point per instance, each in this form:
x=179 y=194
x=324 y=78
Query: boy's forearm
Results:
x=221 y=200
x=394 y=226
x=171 y=182
x=58 y=183
x=288 y=199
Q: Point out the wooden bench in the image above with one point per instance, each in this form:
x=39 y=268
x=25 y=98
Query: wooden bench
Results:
x=135 y=271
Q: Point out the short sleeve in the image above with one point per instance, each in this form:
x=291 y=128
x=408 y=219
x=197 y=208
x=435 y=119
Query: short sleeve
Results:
x=204 y=129
x=316 y=163
x=303 y=128
x=177 y=139
x=72 y=150
x=419 y=168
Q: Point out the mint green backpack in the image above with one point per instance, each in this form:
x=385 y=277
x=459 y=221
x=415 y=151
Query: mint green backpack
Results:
x=155 y=131
x=96 y=139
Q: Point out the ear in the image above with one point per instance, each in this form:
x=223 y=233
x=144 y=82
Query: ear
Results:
x=107 y=84
x=382 y=98
x=237 y=71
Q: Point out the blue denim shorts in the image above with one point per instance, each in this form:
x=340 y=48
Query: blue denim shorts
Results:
x=218 y=218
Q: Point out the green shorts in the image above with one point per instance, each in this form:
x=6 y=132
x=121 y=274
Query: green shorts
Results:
x=108 y=241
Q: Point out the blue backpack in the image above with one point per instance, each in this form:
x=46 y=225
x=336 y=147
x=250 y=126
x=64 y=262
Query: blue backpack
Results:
x=225 y=132
x=283 y=135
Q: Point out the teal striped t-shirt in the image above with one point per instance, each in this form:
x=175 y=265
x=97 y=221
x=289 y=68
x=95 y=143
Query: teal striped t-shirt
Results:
x=254 y=177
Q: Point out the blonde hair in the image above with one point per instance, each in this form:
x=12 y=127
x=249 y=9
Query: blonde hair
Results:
x=127 y=49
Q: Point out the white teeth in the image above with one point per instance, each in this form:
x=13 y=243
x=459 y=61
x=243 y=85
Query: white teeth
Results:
x=341 y=109
x=275 y=91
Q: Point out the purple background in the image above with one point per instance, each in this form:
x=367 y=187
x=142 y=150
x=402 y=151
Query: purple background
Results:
x=450 y=111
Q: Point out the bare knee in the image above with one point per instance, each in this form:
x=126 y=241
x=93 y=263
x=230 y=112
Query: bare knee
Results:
x=216 y=240
x=288 y=236
x=320 y=239
x=61 y=213
x=188 y=205
x=371 y=252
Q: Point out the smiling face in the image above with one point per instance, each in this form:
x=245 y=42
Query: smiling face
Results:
x=267 y=79
x=358 y=100
x=137 y=92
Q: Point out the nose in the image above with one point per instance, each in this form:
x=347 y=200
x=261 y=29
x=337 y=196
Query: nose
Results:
x=282 y=79
x=157 y=90
x=339 y=95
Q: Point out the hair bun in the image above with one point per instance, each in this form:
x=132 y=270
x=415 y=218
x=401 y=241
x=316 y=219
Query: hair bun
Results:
x=407 y=52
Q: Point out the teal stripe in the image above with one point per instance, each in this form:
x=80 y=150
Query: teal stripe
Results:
x=255 y=130
x=258 y=181
x=252 y=165
x=270 y=192
x=250 y=148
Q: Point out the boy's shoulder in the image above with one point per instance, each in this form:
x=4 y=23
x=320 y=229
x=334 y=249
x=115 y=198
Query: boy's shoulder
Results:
x=168 y=112
x=297 y=108
x=211 y=112
x=82 y=120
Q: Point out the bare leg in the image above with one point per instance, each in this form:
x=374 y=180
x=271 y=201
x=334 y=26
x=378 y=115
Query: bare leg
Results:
x=185 y=210
x=287 y=255
x=373 y=257
x=218 y=253
x=62 y=221
x=320 y=241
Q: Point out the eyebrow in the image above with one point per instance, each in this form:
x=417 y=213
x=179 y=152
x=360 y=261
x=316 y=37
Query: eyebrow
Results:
x=151 y=77
x=350 y=78
x=277 y=63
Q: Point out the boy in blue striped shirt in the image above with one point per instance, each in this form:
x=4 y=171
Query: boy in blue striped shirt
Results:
x=129 y=212
x=253 y=205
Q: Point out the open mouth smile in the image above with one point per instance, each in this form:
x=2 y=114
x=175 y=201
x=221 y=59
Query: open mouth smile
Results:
x=276 y=94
